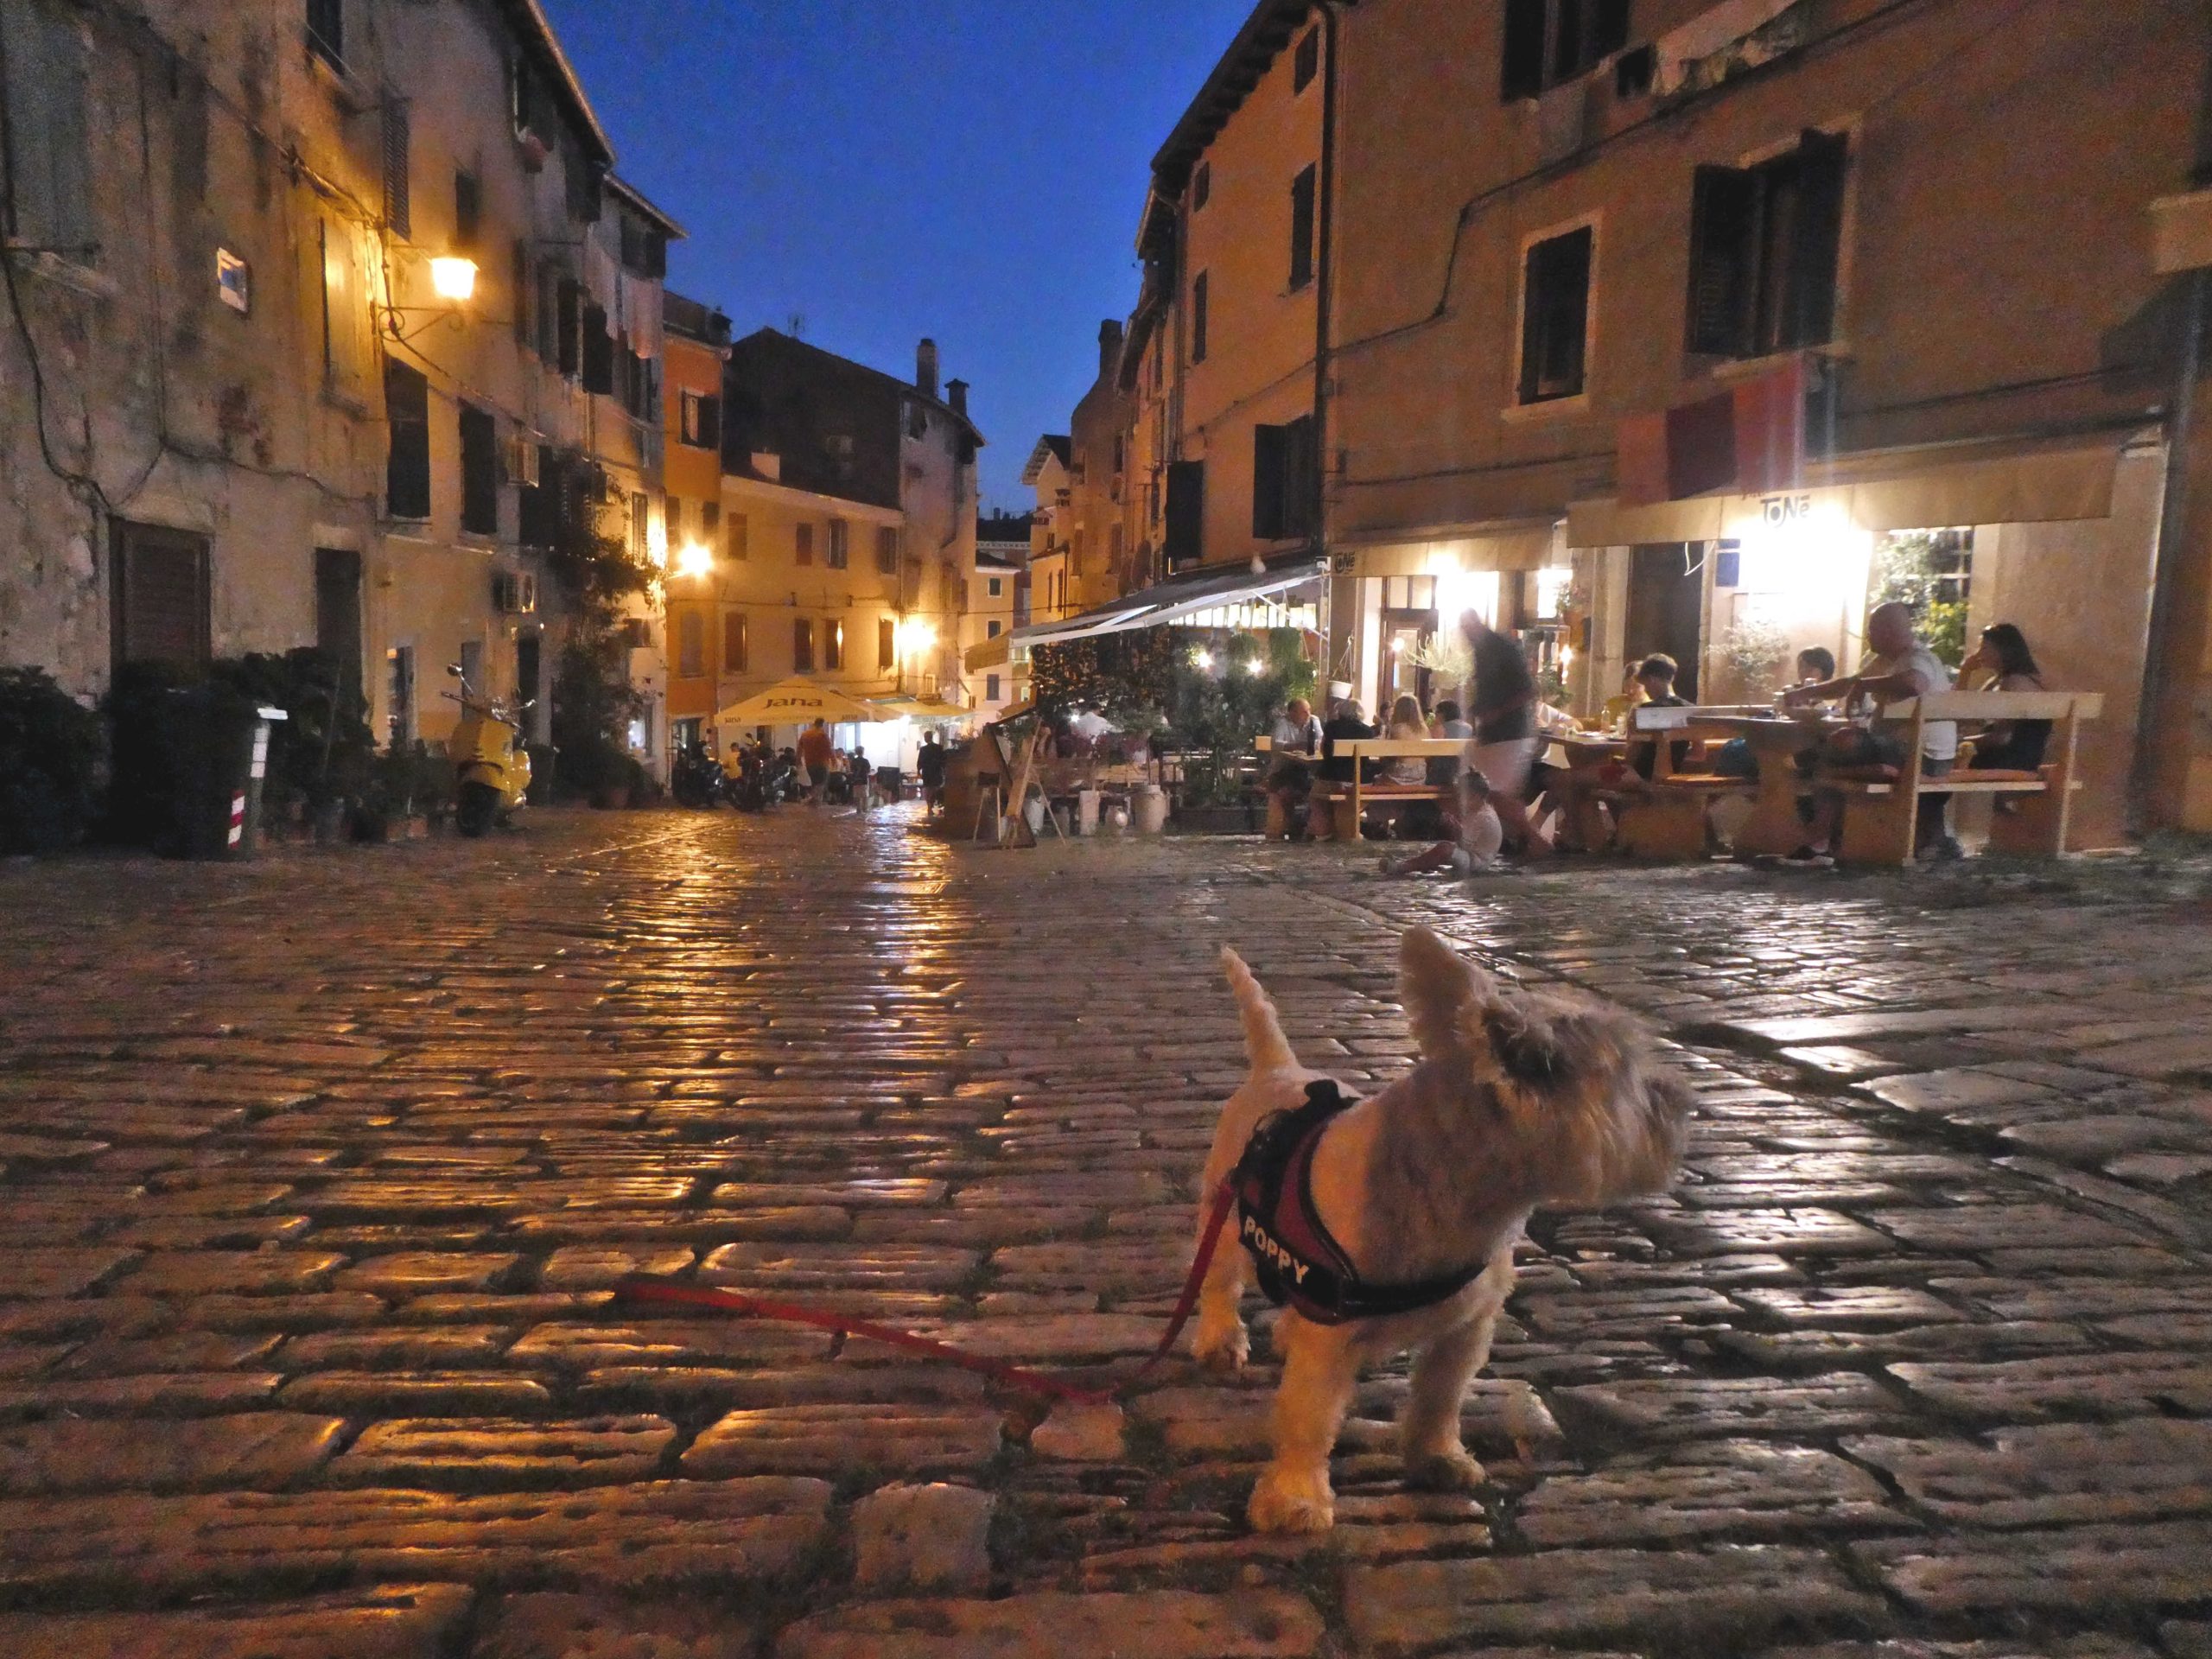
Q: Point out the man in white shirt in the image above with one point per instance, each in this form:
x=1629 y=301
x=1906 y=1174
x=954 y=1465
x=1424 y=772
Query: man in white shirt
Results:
x=1901 y=668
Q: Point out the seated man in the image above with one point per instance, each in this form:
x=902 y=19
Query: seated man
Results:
x=1289 y=778
x=1655 y=678
x=1901 y=668
x=1344 y=724
x=1474 y=836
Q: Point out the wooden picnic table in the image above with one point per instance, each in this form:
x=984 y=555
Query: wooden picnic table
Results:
x=1775 y=741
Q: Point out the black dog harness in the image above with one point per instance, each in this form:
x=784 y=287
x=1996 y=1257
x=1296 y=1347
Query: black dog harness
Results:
x=1299 y=1263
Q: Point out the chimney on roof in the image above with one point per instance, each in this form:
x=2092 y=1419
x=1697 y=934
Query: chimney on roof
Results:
x=926 y=368
x=1109 y=345
x=956 y=393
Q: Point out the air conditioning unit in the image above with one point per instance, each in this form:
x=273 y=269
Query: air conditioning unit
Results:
x=522 y=462
x=514 y=593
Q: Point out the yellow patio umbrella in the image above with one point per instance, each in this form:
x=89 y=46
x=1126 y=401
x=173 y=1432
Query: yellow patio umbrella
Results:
x=798 y=702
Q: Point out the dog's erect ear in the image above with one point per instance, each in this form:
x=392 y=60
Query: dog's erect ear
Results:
x=1444 y=993
x=1264 y=1042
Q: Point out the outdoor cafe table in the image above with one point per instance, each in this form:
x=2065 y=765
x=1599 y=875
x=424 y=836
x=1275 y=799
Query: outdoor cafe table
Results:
x=1775 y=742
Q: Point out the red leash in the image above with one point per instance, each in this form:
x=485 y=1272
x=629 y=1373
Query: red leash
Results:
x=639 y=1288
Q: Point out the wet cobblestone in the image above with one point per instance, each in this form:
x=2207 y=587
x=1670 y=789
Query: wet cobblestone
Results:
x=315 y=1176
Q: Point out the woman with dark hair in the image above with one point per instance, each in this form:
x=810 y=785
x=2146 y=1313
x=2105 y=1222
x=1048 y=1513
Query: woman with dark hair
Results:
x=2005 y=663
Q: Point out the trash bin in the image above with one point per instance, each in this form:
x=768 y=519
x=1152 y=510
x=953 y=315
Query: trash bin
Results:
x=226 y=757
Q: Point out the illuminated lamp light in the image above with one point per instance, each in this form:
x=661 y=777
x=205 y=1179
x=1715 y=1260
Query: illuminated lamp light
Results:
x=693 y=560
x=1255 y=668
x=1202 y=658
x=453 y=278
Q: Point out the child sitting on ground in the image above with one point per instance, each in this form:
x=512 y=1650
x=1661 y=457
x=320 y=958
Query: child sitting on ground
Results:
x=1476 y=836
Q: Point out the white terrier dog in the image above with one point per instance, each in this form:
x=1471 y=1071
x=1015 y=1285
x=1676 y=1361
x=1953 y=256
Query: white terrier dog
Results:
x=1389 y=1224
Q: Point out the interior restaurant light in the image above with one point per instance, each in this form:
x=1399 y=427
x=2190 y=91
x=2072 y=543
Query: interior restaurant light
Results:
x=1202 y=658
x=452 y=277
x=1255 y=668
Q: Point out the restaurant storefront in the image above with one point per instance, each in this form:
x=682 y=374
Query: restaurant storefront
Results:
x=2057 y=538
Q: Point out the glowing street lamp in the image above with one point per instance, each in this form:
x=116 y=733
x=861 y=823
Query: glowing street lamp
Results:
x=694 y=561
x=1202 y=659
x=453 y=278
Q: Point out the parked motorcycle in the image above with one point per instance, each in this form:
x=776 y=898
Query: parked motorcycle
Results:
x=488 y=754
x=695 y=778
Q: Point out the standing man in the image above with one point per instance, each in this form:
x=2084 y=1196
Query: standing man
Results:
x=1503 y=706
x=931 y=764
x=1900 y=668
x=815 y=755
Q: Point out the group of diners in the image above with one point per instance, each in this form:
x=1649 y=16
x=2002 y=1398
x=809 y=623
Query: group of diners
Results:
x=1507 y=800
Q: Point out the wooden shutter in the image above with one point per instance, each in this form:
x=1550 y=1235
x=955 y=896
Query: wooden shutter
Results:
x=1307 y=63
x=1723 y=221
x=544 y=503
x=735 y=642
x=1555 y=316
x=568 y=326
x=886 y=551
x=1609 y=23
x=407 y=465
x=1521 y=68
x=520 y=282
x=1823 y=159
x=710 y=422
x=326 y=30
x=1270 y=448
x=479 y=472
x=161 y=601
x=598 y=351
x=1301 y=479
x=1186 y=511
x=1198 y=322
x=887 y=645
x=740 y=539
x=833 y=645
x=467 y=211
x=1301 y=228
x=802 y=644
x=399 y=196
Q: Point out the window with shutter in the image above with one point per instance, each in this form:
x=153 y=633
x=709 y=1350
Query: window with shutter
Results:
x=161 y=596
x=1198 y=320
x=1555 y=316
x=687 y=419
x=467 y=212
x=736 y=642
x=1547 y=43
x=839 y=551
x=886 y=551
x=1765 y=244
x=1186 y=508
x=407 y=463
x=740 y=539
x=520 y=284
x=1307 y=62
x=710 y=422
x=569 y=307
x=1201 y=185
x=326 y=27
x=803 y=544
x=833 y=645
x=398 y=206
x=674 y=508
x=479 y=472
x=710 y=521
x=598 y=352
x=802 y=644
x=1268 y=467
x=990 y=688
x=545 y=504
x=1301 y=228
x=641 y=524
x=345 y=311
x=691 y=646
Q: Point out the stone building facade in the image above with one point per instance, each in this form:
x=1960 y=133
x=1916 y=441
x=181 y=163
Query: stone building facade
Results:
x=331 y=315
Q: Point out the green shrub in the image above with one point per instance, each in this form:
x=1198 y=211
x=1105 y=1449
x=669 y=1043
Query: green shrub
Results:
x=51 y=756
x=322 y=750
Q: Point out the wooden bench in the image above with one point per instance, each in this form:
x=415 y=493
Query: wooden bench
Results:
x=1882 y=803
x=1350 y=799
x=1665 y=817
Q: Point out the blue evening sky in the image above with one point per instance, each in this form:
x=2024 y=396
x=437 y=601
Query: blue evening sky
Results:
x=968 y=169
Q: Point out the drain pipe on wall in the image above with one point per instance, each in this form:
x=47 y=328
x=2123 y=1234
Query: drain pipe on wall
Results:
x=1325 y=277
x=2170 y=640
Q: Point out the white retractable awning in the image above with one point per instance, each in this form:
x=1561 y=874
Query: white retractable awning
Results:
x=1179 y=596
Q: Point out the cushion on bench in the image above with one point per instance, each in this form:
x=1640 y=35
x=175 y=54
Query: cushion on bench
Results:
x=1984 y=775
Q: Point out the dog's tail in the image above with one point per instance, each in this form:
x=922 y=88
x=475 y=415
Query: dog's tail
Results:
x=1264 y=1038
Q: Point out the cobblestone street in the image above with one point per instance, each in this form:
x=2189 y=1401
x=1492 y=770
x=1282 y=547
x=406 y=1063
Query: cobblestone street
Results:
x=317 y=1171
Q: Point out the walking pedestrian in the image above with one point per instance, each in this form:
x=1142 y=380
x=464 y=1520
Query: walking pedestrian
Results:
x=931 y=764
x=815 y=755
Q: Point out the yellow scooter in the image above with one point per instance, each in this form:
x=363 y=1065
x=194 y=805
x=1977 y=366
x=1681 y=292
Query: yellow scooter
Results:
x=487 y=752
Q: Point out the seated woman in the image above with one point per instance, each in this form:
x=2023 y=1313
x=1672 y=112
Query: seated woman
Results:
x=1407 y=726
x=1474 y=836
x=2006 y=664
